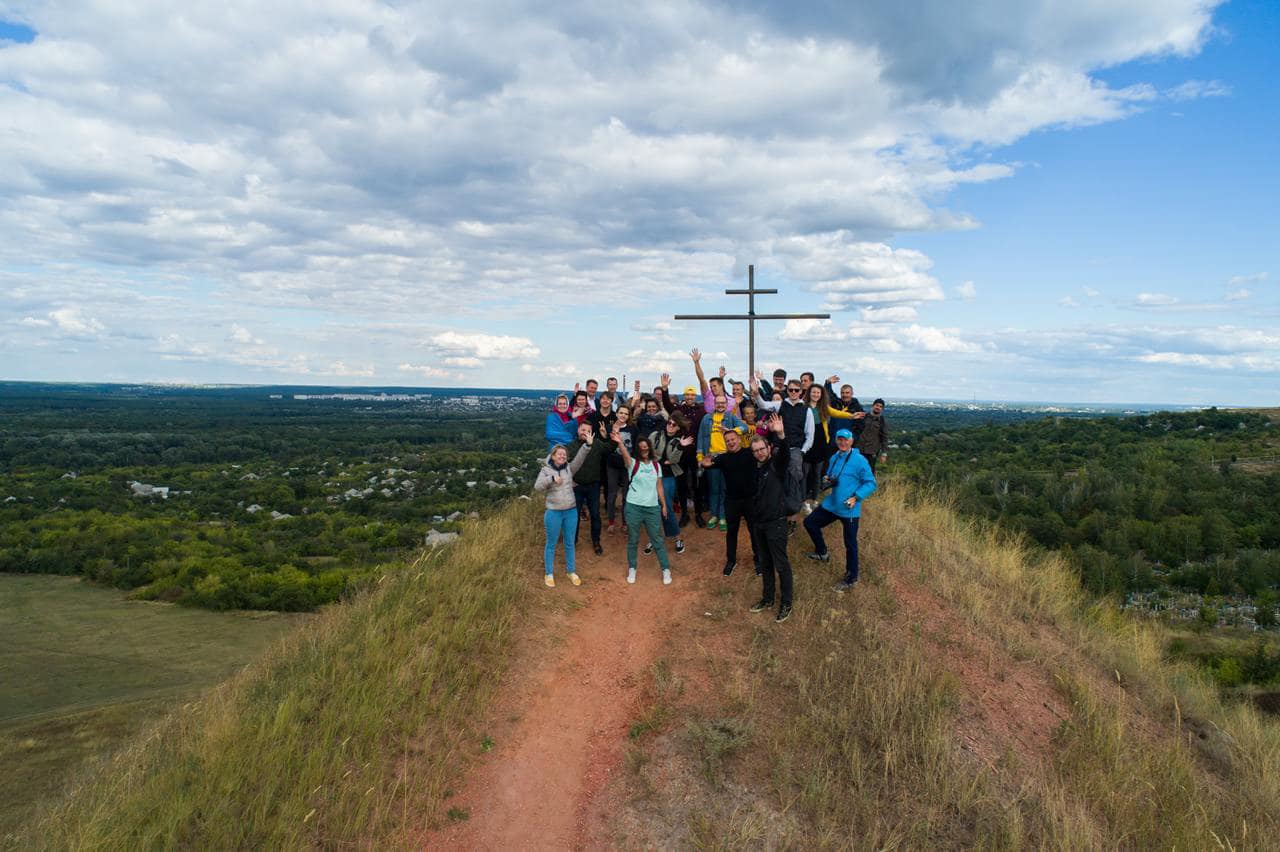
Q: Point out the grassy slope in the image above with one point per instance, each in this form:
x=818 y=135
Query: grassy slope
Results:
x=854 y=726
x=353 y=721
x=848 y=727
x=84 y=669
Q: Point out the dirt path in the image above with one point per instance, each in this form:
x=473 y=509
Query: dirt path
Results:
x=561 y=724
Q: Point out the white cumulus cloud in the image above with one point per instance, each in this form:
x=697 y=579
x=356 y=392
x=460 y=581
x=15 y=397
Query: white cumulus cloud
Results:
x=936 y=339
x=480 y=345
x=853 y=272
x=72 y=322
x=550 y=370
x=428 y=371
x=899 y=313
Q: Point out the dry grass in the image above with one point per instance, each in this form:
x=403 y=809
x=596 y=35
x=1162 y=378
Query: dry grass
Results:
x=867 y=721
x=1151 y=753
x=353 y=723
x=872 y=724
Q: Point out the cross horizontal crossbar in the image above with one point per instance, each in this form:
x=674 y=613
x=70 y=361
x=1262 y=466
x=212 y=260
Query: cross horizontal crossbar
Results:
x=750 y=316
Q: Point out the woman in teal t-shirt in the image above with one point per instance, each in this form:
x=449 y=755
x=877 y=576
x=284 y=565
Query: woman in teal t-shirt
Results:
x=646 y=504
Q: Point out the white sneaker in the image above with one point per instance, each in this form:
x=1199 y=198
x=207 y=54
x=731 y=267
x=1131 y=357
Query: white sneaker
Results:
x=666 y=576
x=631 y=575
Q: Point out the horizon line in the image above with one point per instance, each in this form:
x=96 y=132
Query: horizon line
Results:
x=386 y=387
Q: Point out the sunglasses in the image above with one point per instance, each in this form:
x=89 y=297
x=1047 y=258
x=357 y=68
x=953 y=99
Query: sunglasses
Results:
x=793 y=390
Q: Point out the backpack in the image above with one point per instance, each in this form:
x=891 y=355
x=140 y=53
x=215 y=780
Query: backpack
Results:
x=635 y=468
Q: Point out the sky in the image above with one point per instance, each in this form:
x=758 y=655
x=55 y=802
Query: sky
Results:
x=1000 y=200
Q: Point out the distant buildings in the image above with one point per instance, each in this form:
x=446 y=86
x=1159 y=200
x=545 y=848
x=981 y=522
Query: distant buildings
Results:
x=142 y=489
x=1185 y=606
x=362 y=397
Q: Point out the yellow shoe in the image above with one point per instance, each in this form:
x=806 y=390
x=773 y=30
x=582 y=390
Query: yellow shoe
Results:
x=575 y=579
x=550 y=581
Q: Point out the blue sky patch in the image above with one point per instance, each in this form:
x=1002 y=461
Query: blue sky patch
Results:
x=20 y=33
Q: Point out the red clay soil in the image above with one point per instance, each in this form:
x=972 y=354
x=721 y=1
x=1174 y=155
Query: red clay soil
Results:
x=1008 y=704
x=561 y=725
x=560 y=721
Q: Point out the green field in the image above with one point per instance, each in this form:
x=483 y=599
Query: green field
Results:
x=84 y=669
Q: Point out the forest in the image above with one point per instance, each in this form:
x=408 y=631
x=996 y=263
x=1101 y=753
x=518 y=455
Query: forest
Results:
x=1188 y=500
x=1173 y=515
x=250 y=498
x=238 y=500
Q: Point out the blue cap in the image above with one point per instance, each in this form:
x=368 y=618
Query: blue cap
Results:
x=845 y=433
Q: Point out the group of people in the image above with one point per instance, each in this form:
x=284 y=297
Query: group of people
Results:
x=737 y=452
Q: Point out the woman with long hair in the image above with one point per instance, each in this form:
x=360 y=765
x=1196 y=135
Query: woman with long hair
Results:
x=815 y=460
x=646 y=504
x=615 y=472
x=669 y=444
x=561 y=517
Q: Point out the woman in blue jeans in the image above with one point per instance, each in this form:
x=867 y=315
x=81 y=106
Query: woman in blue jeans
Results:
x=561 y=516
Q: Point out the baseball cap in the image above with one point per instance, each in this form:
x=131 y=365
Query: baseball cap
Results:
x=844 y=433
x=690 y=389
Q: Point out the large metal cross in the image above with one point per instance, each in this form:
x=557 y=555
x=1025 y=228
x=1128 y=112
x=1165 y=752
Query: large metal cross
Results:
x=751 y=316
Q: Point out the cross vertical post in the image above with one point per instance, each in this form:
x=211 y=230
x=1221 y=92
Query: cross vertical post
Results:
x=751 y=323
x=750 y=316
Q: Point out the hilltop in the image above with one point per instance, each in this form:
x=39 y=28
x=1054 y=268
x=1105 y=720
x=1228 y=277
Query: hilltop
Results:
x=966 y=693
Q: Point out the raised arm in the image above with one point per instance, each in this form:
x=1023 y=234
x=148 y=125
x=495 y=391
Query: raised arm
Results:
x=828 y=386
x=665 y=381
x=763 y=403
x=781 y=452
x=622 y=448
x=697 y=368
x=580 y=457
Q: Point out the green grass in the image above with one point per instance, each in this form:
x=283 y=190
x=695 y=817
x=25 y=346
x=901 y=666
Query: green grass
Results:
x=84 y=669
x=345 y=734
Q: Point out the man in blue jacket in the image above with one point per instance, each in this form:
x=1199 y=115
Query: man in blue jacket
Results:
x=851 y=481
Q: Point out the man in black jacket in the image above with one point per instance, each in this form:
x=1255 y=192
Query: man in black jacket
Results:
x=586 y=482
x=770 y=516
x=873 y=440
x=739 y=469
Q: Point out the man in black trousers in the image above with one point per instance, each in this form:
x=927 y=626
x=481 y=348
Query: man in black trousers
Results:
x=770 y=515
x=739 y=469
x=586 y=482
